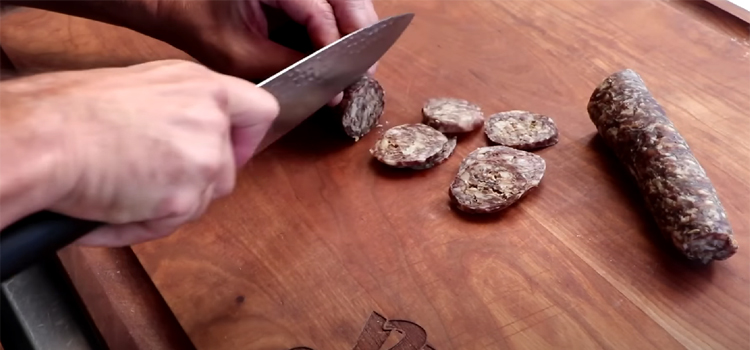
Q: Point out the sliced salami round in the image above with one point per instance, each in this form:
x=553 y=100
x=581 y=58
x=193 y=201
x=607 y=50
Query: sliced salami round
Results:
x=452 y=115
x=409 y=146
x=521 y=130
x=362 y=106
x=530 y=165
x=487 y=186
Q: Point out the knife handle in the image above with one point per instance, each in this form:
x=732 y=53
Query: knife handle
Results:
x=35 y=237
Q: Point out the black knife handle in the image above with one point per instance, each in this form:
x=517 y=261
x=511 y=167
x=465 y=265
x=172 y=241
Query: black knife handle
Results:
x=35 y=237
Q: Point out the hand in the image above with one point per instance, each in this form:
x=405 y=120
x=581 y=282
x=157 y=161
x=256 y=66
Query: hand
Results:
x=232 y=36
x=150 y=146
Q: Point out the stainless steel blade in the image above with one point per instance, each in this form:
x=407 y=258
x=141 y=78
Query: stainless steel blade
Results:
x=306 y=86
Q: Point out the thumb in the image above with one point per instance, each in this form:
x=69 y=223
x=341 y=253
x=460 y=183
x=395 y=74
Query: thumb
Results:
x=251 y=110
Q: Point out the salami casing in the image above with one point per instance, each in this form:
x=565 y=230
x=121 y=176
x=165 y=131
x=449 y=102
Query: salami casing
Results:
x=361 y=107
x=675 y=187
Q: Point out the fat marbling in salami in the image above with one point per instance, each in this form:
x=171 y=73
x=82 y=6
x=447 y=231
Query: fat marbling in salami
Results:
x=531 y=166
x=487 y=186
x=416 y=146
x=361 y=107
x=440 y=157
x=452 y=115
x=521 y=130
x=675 y=187
x=492 y=178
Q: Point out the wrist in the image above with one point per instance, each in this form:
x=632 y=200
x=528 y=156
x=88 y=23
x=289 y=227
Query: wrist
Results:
x=33 y=170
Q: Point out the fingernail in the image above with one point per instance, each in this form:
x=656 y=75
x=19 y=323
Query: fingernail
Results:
x=336 y=100
x=373 y=69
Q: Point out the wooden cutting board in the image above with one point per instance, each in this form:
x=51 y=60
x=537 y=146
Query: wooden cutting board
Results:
x=319 y=246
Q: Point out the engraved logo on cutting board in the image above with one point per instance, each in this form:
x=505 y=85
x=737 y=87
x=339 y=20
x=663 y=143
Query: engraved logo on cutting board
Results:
x=378 y=329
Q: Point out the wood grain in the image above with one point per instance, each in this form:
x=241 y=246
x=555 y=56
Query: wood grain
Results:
x=317 y=236
x=122 y=300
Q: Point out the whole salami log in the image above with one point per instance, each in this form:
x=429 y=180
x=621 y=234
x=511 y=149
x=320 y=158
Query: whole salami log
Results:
x=676 y=188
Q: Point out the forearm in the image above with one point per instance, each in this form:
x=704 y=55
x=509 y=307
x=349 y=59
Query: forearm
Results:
x=132 y=14
x=31 y=154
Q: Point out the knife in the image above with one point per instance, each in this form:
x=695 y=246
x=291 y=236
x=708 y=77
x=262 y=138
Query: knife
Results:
x=300 y=89
x=306 y=86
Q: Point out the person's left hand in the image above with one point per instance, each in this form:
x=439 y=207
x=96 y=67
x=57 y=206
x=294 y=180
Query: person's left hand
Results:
x=231 y=37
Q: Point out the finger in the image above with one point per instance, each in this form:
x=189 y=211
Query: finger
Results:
x=251 y=110
x=252 y=14
x=205 y=200
x=352 y=15
x=373 y=68
x=228 y=173
x=316 y=15
x=134 y=233
x=336 y=100
x=120 y=235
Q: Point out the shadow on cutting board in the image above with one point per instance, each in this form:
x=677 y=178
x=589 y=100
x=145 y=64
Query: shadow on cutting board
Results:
x=317 y=136
x=389 y=172
x=485 y=218
x=674 y=267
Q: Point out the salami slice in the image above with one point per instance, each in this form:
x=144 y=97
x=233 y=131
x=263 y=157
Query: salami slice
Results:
x=530 y=165
x=675 y=187
x=492 y=178
x=487 y=186
x=410 y=146
x=362 y=106
x=521 y=130
x=452 y=115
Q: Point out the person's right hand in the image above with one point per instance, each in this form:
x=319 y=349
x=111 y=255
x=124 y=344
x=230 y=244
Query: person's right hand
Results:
x=148 y=147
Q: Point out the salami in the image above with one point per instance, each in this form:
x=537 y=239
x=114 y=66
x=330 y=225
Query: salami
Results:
x=440 y=157
x=452 y=115
x=411 y=146
x=521 y=130
x=487 y=186
x=530 y=165
x=492 y=178
x=361 y=107
x=675 y=187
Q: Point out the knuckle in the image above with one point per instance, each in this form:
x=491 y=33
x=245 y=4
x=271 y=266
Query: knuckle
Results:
x=355 y=4
x=325 y=10
x=226 y=187
x=219 y=123
x=180 y=205
x=208 y=119
x=209 y=166
x=195 y=69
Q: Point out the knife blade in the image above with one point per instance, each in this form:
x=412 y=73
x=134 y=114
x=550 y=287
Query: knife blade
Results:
x=301 y=89
x=306 y=86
